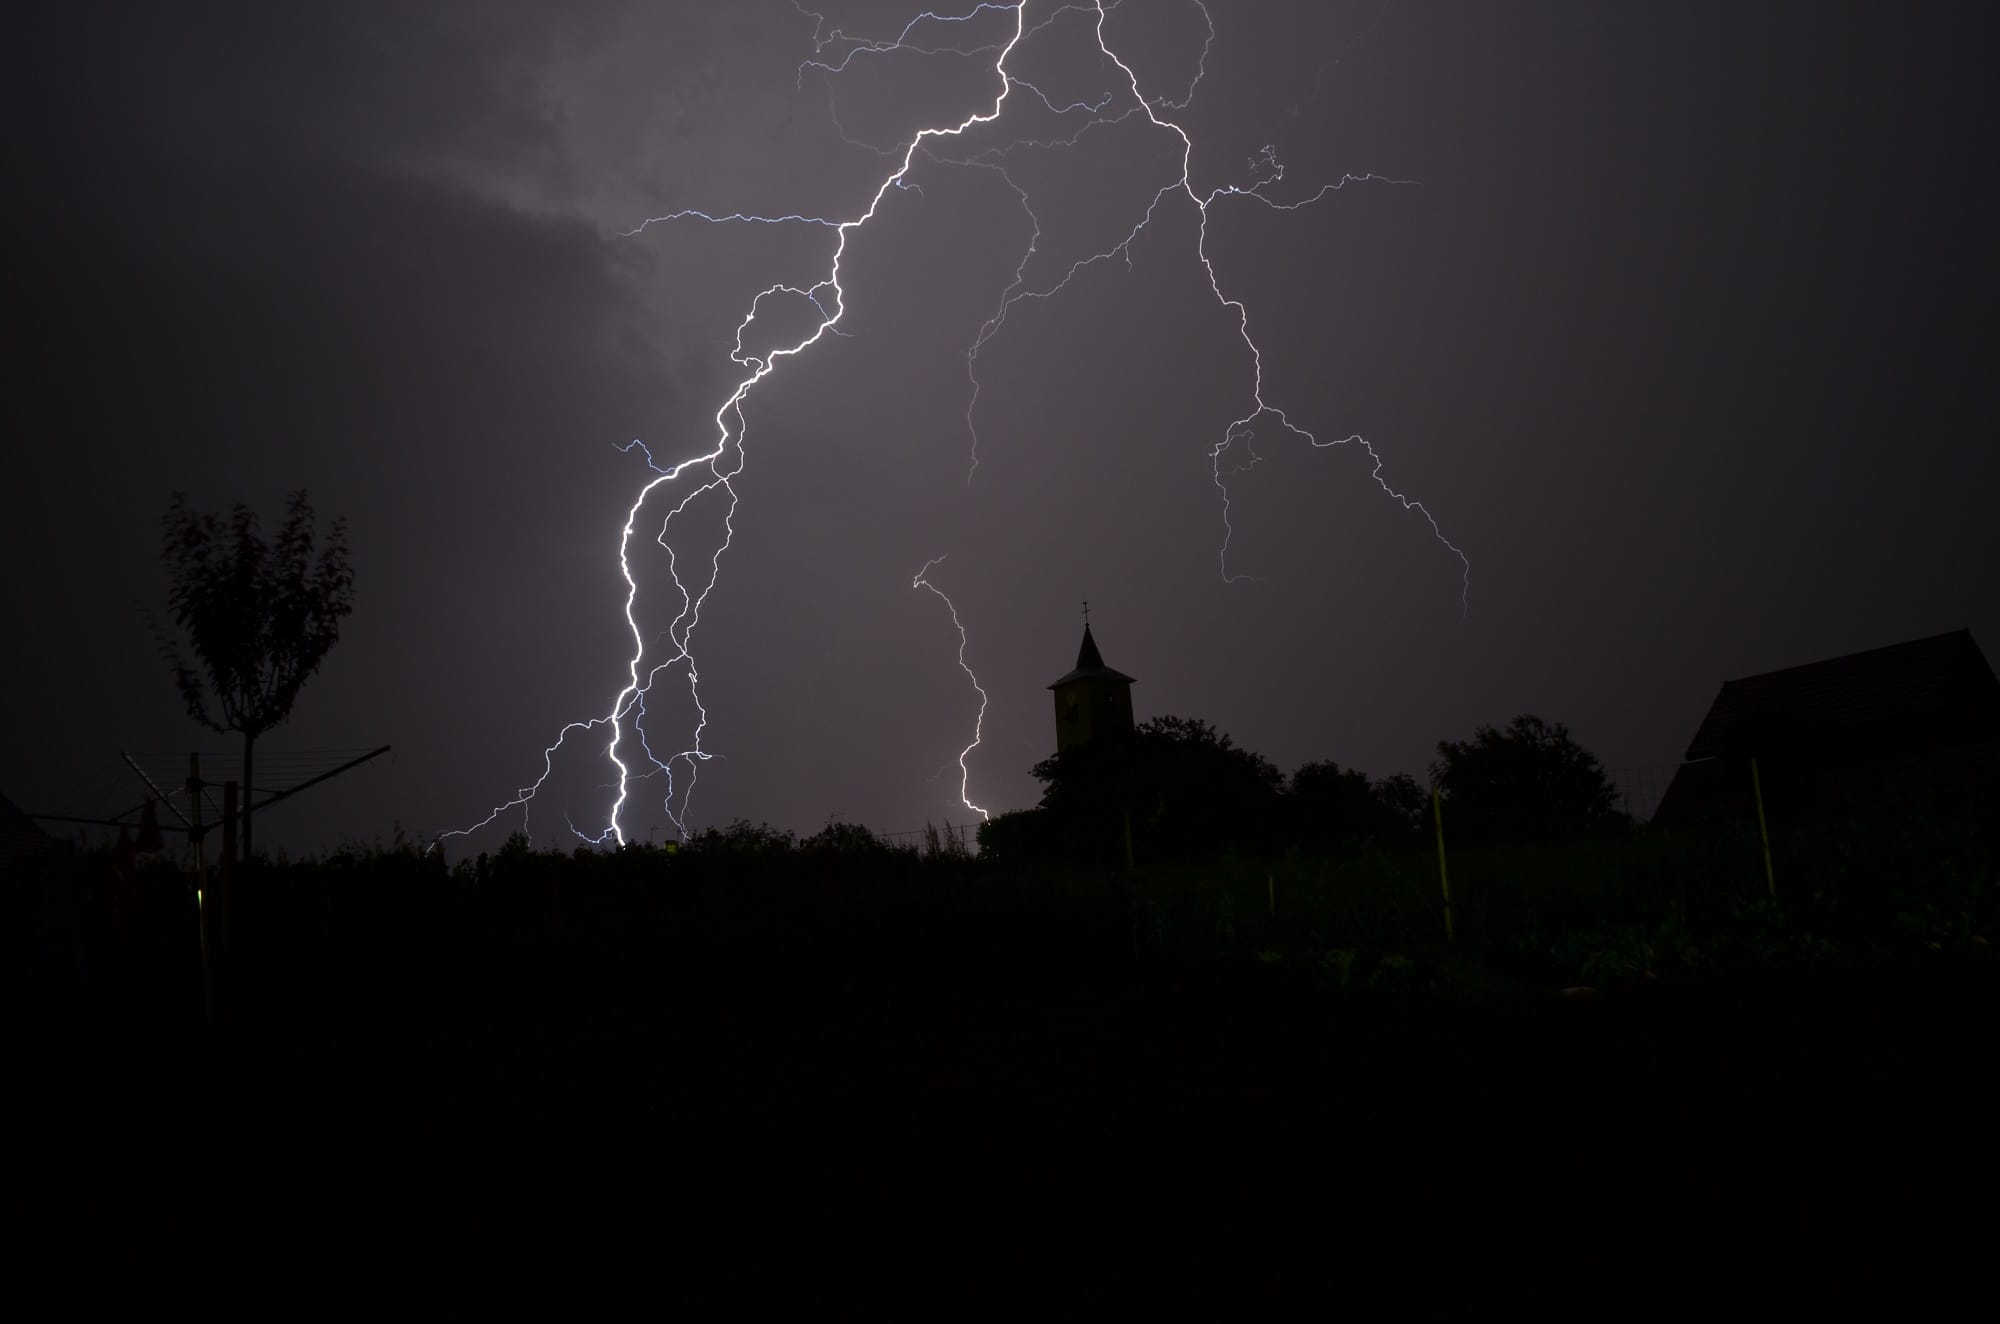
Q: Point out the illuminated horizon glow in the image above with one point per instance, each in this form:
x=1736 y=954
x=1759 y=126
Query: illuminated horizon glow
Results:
x=629 y=702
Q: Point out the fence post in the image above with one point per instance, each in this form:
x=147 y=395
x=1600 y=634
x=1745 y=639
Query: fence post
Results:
x=224 y=901
x=1763 y=832
x=200 y=882
x=1444 y=881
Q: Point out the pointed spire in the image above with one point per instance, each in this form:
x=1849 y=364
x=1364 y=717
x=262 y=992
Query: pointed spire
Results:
x=1090 y=663
x=1087 y=657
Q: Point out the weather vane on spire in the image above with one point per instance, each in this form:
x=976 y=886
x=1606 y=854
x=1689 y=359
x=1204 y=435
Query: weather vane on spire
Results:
x=1086 y=611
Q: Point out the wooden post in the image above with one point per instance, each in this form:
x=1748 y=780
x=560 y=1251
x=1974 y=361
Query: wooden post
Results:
x=555 y=948
x=231 y=802
x=225 y=890
x=200 y=881
x=194 y=822
x=1444 y=881
x=207 y=993
x=1764 y=832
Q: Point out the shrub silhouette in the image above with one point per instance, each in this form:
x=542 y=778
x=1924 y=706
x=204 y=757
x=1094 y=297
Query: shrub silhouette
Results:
x=1330 y=807
x=1184 y=785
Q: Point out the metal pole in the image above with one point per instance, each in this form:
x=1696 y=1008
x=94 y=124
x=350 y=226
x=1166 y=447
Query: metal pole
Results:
x=248 y=793
x=1757 y=787
x=101 y=822
x=1444 y=881
x=159 y=794
x=194 y=824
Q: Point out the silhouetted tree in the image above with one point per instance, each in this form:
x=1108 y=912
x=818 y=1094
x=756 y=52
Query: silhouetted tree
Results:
x=260 y=617
x=1403 y=803
x=1330 y=806
x=1022 y=836
x=1177 y=777
x=1530 y=782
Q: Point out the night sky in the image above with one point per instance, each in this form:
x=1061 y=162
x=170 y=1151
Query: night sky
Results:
x=1682 y=334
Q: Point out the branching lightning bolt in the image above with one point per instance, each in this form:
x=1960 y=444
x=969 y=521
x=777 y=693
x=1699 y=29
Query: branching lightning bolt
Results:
x=721 y=463
x=1272 y=172
x=921 y=580
x=631 y=696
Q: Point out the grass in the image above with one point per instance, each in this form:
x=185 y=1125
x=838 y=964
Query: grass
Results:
x=711 y=1036
x=391 y=922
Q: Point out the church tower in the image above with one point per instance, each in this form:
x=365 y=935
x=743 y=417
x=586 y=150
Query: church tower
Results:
x=1093 y=702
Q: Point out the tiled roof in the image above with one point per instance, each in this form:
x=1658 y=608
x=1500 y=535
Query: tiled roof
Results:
x=1918 y=683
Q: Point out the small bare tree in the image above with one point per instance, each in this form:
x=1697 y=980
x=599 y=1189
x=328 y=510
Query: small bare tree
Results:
x=259 y=617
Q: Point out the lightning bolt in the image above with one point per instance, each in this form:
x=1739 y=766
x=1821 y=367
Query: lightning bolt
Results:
x=1272 y=172
x=715 y=469
x=920 y=580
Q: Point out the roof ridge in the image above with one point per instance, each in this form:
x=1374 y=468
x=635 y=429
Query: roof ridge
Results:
x=1906 y=645
x=1916 y=680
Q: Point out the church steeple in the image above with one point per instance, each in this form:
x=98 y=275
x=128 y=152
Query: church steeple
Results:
x=1093 y=702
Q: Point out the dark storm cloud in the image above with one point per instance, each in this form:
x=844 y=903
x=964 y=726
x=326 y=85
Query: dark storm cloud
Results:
x=1682 y=337
x=247 y=259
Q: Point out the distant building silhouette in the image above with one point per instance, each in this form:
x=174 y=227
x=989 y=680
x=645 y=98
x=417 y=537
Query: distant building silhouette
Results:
x=1093 y=702
x=44 y=940
x=1879 y=732
x=23 y=845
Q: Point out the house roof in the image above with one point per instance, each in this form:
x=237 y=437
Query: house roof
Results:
x=1913 y=683
x=1090 y=665
x=20 y=839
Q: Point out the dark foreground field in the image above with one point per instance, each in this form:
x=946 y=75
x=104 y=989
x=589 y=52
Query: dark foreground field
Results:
x=1799 y=1125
